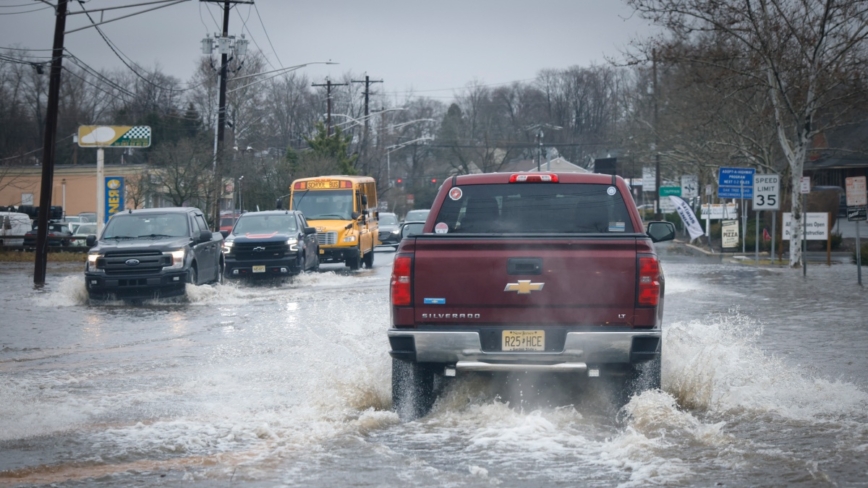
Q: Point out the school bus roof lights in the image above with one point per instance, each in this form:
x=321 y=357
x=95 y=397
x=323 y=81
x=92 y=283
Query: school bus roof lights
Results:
x=322 y=185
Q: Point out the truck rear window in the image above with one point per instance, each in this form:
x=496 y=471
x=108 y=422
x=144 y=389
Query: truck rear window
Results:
x=534 y=208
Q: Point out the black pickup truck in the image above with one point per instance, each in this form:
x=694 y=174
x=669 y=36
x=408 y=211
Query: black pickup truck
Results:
x=152 y=253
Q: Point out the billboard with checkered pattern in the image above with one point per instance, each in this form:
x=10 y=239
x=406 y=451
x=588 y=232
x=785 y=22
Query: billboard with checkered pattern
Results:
x=114 y=136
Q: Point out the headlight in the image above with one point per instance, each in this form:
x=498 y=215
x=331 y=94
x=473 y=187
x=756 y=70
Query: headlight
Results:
x=177 y=258
x=350 y=238
x=227 y=246
x=91 y=261
x=292 y=243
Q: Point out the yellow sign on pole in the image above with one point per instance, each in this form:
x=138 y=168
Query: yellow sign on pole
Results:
x=114 y=136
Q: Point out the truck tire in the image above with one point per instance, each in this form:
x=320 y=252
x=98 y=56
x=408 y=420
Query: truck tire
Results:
x=639 y=378
x=355 y=262
x=412 y=389
x=193 y=275
x=369 y=259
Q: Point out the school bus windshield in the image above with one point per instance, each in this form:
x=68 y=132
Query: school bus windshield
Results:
x=324 y=204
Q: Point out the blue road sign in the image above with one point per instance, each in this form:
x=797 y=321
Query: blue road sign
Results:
x=735 y=183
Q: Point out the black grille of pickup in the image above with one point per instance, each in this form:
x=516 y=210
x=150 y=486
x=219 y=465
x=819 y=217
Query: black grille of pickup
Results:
x=252 y=251
x=121 y=263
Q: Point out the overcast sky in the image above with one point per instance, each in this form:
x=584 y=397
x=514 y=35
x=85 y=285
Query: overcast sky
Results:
x=430 y=47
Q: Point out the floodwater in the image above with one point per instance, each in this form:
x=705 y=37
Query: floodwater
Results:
x=765 y=383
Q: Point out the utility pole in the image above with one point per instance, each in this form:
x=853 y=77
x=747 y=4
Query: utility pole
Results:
x=221 y=112
x=328 y=84
x=48 y=145
x=367 y=81
x=658 y=211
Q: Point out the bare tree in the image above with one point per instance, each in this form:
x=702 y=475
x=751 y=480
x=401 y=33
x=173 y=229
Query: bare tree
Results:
x=808 y=57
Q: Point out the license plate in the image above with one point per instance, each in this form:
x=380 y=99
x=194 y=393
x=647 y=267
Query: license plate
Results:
x=259 y=269
x=524 y=340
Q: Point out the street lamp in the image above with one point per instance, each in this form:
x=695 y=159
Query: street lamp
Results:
x=395 y=147
x=240 y=195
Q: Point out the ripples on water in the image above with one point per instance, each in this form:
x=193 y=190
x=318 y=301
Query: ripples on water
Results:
x=288 y=379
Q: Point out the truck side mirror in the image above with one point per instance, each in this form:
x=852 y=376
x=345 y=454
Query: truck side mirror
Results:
x=309 y=230
x=205 y=236
x=365 y=200
x=90 y=241
x=661 y=231
x=355 y=215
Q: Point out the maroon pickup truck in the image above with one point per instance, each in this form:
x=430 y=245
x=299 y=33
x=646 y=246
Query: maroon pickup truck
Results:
x=537 y=272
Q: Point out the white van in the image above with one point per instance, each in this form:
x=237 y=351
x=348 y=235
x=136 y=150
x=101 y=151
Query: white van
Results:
x=14 y=224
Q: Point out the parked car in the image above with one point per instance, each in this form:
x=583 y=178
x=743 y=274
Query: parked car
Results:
x=59 y=235
x=87 y=216
x=83 y=230
x=14 y=226
x=409 y=229
x=270 y=243
x=389 y=231
x=418 y=215
x=152 y=253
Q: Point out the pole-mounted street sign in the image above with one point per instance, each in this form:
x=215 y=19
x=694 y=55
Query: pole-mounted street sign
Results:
x=766 y=192
x=735 y=183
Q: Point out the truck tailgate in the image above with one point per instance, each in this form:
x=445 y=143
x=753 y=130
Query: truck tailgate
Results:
x=525 y=281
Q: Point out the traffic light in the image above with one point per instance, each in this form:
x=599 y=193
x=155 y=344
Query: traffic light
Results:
x=433 y=181
x=399 y=182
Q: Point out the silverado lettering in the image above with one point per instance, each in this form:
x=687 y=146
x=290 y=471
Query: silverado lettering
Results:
x=551 y=258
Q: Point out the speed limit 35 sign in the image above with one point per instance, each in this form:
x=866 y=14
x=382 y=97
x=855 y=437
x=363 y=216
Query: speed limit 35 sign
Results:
x=766 y=192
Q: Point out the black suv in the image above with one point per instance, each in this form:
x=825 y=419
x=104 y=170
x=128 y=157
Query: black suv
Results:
x=271 y=243
x=152 y=253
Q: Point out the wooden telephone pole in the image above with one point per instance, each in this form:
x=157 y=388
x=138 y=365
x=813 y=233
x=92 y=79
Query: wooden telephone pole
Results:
x=328 y=84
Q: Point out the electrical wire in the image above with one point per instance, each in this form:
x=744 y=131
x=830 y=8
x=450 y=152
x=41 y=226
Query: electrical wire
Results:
x=27 y=11
x=56 y=142
x=121 y=56
x=255 y=8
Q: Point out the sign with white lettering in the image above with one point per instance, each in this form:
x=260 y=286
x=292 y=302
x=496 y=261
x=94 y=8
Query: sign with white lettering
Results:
x=735 y=182
x=805 y=185
x=114 y=196
x=817 y=229
x=766 y=192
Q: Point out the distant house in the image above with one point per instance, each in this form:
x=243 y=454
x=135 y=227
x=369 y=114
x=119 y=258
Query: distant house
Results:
x=837 y=155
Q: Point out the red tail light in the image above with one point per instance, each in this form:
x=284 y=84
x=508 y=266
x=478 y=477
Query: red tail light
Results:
x=649 y=281
x=402 y=270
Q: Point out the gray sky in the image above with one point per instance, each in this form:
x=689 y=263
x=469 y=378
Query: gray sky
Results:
x=432 y=47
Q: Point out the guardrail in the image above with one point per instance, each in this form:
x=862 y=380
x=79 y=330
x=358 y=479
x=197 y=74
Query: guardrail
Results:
x=75 y=244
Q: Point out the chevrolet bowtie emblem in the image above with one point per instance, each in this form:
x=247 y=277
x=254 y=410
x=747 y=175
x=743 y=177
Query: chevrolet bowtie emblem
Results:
x=524 y=287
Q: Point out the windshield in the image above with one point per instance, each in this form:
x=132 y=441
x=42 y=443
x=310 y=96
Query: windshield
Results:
x=147 y=225
x=416 y=215
x=324 y=205
x=536 y=208
x=86 y=229
x=388 y=219
x=265 y=224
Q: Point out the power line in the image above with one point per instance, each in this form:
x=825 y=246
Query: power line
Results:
x=35 y=150
x=267 y=36
x=27 y=11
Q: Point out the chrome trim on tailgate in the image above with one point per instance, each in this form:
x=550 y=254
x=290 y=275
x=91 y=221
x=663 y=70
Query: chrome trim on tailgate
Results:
x=581 y=347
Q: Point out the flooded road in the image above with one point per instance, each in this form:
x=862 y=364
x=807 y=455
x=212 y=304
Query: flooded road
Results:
x=765 y=377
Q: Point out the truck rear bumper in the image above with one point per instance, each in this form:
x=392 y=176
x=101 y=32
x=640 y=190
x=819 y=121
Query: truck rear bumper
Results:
x=588 y=347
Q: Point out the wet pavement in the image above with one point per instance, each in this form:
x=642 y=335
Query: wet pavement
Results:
x=765 y=375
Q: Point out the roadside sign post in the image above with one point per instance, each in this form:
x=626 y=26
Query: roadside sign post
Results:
x=805 y=188
x=766 y=196
x=857 y=199
x=737 y=183
x=102 y=136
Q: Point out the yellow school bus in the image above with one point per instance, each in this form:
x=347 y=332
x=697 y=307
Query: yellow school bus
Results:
x=344 y=211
